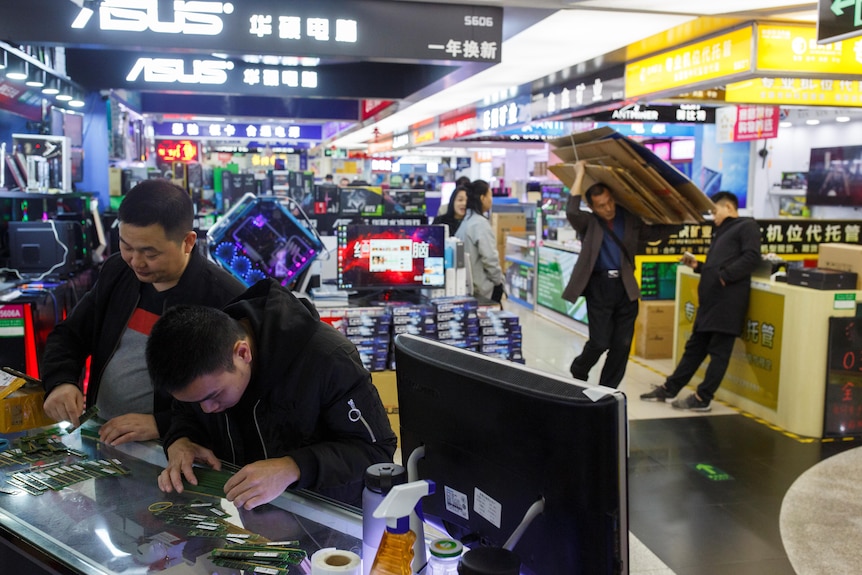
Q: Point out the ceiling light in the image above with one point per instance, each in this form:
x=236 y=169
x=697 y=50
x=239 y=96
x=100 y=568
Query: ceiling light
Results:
x=66 y=93
x=77 y=100
x=16 y=69
x=785 y=124
x=812 y=122
x=842 y=118
x=52 y=87
x=36 y=78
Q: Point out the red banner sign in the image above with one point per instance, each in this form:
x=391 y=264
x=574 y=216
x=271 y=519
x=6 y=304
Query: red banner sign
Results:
x=755 y=123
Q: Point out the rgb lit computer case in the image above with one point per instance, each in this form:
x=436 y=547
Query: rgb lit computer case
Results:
x=260 y=237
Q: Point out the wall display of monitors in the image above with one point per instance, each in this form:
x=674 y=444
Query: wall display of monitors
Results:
x=391 y=257
x=835 y=176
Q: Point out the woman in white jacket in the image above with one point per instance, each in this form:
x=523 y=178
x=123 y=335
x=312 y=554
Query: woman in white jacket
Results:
x=479 y=243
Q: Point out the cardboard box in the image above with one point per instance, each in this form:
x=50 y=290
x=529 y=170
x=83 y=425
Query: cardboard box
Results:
x=654 y=343
x=503 y=224
x=387 y=387
x=844 y=257
x=656 y=314
x=21 y=405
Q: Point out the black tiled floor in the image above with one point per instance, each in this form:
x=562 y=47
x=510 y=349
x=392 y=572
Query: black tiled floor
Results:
x=700 y=526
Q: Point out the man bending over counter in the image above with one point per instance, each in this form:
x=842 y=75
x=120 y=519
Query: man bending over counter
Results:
x=267 y=386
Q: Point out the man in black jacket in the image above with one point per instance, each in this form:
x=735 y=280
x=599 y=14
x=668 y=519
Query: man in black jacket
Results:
x=158 y=266
x=267 y=386
x=723 y=294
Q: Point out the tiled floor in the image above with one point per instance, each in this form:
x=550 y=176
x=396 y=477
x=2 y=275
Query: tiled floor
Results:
x=705 y=490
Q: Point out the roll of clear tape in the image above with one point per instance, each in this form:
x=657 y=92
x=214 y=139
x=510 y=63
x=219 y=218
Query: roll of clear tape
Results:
x=332 y=561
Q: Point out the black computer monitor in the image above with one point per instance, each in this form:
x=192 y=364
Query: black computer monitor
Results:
x=43 y=247
x=500 y=436
x=378 y=257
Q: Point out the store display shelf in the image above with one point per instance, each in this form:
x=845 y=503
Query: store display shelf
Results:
x=520 y=261
x=520 y=301
x=566 y=247
x=786 y=192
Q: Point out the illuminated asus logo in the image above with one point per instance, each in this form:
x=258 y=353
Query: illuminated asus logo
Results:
x=190 y=17
x=173 y=71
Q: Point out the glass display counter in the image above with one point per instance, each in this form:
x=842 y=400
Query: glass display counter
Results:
x=107 y=525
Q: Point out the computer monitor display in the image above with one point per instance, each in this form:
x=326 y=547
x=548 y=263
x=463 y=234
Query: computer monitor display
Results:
x=40 y=247
x=499 y=437
x=391 y=257
x=260 y=238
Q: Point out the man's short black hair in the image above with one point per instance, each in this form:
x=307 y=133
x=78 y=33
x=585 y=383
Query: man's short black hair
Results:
x=595 y=190
x=190 y=341
x=726 y=197
x=159 y=202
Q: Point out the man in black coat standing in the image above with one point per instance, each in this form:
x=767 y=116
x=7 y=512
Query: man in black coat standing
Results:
x=725 y=286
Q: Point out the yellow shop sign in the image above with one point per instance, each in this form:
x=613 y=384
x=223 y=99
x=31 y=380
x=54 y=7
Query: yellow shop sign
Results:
x=794 y=50
x=718 y=57
x=795 y=91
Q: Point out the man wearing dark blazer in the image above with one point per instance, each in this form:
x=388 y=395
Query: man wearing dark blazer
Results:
x=604 y=275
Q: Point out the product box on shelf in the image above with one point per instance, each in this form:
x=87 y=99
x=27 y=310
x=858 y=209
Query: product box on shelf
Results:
x=822 y=278
x=844 y=257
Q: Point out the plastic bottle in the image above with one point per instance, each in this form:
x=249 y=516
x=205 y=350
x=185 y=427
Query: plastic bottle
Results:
x=379 y=479
x=445 y=556
x=395 y=554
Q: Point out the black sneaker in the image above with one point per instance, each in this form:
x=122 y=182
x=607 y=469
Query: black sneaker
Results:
x=658 y=393
x=692 y=403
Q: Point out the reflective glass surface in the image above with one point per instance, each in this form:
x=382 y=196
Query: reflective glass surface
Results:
x=107 y=524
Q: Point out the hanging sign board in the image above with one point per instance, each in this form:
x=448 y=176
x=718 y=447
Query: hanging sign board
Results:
x=796 y=91
x=323 y=28
x=838 y=20
x=718 y=57
x=794 y=50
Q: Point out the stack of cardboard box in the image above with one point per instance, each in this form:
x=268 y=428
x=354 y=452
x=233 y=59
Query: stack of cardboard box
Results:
x=654 y=329
x=640 y=181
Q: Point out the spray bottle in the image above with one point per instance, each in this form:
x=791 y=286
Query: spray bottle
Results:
x=395 y=554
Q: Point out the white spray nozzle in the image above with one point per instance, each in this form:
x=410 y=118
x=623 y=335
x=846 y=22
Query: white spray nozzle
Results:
x=402 y=499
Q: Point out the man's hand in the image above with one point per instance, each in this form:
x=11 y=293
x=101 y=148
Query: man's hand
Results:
x=65 y=403
x=261 y=482
x=689 y=260
x=182 y=454
x=129 y=427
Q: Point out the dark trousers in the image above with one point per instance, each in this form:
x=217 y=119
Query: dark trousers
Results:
x=612 y=323
x=719 y=347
